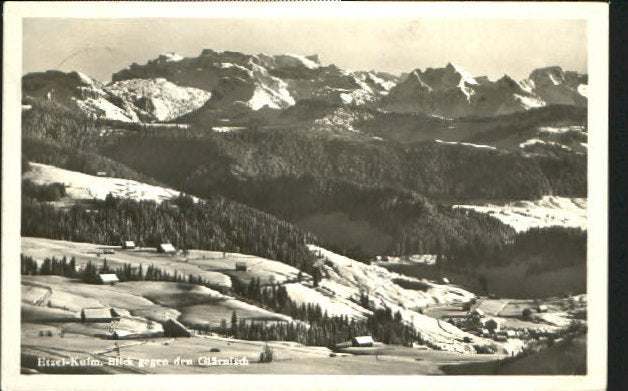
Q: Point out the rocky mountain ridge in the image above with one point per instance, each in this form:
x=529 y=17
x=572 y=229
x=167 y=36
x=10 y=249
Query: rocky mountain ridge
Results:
x=171 y=86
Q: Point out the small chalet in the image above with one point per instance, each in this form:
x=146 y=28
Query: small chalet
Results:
x=101 y=173
x=98 y=315
x=444 y=280
x=511 y=334
x=109 y=251
x=500 y=338
x=541 y=308
x=128 y=245
x=108 y=279
x=240 y=266
x=363 y=342
x=166 y=248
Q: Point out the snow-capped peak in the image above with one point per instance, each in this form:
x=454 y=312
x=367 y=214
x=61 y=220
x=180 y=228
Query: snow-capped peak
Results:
x=466 y=77
x=84 y=78
x=305 y=61
x=170 y=57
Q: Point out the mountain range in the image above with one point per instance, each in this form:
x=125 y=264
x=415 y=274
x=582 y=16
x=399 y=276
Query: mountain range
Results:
x=216 y=86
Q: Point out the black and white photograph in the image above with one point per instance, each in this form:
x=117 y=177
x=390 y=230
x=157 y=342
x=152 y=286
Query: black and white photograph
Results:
x=399 y=193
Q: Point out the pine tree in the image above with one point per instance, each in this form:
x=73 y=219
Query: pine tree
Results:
x=234 y=325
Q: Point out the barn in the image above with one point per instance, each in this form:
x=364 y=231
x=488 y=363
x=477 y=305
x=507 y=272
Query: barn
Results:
x=108 y=279
x=128 y=245
x=363 y=341
x=166 y=248
x=98 y=315
x=240 y=266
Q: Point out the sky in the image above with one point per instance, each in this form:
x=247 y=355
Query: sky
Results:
x=490 y=47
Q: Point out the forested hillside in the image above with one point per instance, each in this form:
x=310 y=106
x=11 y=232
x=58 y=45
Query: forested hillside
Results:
x=213 y=224
x=452 y=172
x=394 y=197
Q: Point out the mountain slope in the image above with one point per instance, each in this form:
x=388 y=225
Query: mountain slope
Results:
x=140 y=100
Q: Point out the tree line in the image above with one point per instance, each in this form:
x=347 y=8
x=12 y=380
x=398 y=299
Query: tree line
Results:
x=214 y=224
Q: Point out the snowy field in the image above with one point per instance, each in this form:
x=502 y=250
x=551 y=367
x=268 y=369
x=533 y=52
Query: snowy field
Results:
x=81 y=186
x=546 y=212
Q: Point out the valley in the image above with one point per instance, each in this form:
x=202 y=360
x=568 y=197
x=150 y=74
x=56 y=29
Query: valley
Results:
x=301 y=218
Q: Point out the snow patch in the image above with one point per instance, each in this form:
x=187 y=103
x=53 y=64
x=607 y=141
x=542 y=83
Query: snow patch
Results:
x=466 y=77
x=305 y=61
x=228 y=65
x=227 y=129
x=421 y=259
x=346 y=98
x=265 y=96
x=386 y=85
x=529 y=102
x=102 y=108
x=159 y=97
x=535 y=141
x=553 y=79
x=583 y=90
x=561 y=129
x=466 y=144
x=84 y=78
x=527 y=85
x=171 y=57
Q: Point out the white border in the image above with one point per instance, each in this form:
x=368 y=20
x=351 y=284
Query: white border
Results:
x=595 y=13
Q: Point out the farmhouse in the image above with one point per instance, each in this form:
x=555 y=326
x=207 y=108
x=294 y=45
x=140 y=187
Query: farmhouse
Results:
x=98 y=315
x=240 y=266
x=128 y=245
x=166 y=248
x=364 y=341
x=108 y=279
